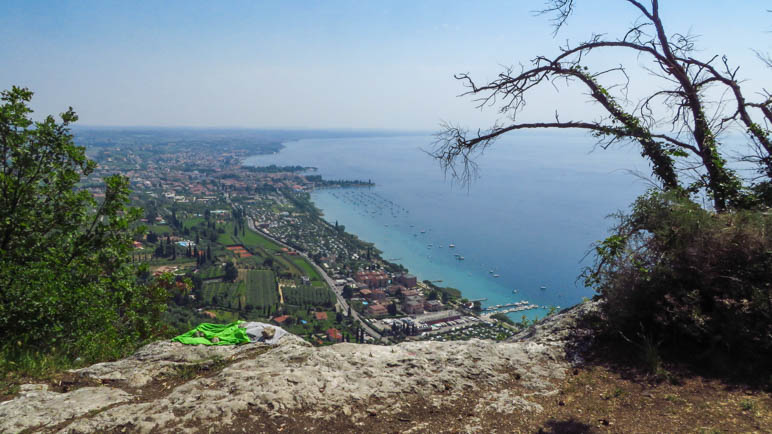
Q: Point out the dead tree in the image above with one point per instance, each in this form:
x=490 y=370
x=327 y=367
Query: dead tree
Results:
x=678 y=128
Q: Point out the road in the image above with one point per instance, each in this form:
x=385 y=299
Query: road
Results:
x=335 y=289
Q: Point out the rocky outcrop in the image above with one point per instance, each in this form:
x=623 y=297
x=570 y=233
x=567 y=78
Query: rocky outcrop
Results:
x=171 y=387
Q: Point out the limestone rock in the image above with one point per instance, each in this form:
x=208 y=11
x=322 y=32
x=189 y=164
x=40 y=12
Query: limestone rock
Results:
x=36 y=407
x=208 y=388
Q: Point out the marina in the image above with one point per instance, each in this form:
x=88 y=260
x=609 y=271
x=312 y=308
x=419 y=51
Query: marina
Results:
x=518 y=306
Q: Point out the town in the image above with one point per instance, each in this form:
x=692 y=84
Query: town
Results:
x=253 y=246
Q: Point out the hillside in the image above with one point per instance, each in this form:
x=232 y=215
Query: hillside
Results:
x=540 y=380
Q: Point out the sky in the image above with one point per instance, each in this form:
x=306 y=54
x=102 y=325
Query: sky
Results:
x=321 y=64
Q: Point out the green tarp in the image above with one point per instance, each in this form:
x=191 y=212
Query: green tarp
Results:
x=228 y=334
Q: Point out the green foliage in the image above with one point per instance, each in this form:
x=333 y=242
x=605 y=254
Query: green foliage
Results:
x=696 y=280
x=231 y=273
x=65 y=280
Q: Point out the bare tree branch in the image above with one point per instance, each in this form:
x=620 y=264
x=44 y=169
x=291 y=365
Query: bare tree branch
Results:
x=685 y=104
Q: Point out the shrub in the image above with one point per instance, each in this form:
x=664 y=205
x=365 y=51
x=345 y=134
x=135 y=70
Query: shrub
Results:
x=696 y=280
x=66 y=283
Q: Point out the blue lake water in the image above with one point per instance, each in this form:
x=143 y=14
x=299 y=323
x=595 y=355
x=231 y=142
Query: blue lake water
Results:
x=530 y=217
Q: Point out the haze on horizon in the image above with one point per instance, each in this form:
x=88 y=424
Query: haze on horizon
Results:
x=336 y=64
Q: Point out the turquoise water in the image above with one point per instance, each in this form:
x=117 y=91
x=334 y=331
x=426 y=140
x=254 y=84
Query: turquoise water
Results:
x=530 y=217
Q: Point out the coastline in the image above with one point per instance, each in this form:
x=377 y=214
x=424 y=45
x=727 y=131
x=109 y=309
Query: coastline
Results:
x=530 y=219
x=399 y=250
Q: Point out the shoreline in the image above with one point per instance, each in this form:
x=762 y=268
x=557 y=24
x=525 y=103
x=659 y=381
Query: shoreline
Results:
x=426 y=275
x=503 y=242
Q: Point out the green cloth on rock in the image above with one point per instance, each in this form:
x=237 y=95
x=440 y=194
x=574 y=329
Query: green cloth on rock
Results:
x=228 y=334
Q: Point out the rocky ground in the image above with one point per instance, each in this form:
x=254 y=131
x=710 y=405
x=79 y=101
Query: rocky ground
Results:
x=533 y=383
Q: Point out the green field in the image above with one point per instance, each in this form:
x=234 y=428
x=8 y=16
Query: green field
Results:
x=258 y=290
x=211 y=272
x=253 y=239
x=159 y=229
x=261 y=288
x=226 y=238
x=308 y=296
x=193 y=221
x=307 y=269
x=294 y=264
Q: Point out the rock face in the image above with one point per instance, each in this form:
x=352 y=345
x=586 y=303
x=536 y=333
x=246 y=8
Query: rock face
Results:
x=170 y=387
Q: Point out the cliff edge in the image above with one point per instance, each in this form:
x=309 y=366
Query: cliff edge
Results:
x=410 y=387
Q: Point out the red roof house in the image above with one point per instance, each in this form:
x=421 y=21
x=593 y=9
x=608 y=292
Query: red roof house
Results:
x=334 y=335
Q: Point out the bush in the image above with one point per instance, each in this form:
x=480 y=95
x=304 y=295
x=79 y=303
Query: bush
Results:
x=696 y=280
x=67 y=287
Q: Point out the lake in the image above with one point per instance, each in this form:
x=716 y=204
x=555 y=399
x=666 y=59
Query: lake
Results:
x=526 y=222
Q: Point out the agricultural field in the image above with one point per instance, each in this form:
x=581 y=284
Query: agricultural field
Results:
x=211 y=272
x=252 y=239
x=261 y=288
x=226 y=238
x=159 y=229
x=256 y=290
x=193 y=221
x=308 y=296
x=307 y=269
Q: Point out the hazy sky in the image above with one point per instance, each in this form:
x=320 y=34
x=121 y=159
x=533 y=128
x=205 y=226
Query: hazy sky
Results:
x=317 y=64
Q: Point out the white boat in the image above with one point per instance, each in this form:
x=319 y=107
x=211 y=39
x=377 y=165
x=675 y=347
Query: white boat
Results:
x=452 y=246
x=496 y=275
x=543 y=288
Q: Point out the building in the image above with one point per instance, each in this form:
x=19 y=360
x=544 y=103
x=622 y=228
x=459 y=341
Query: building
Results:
x=433 y=305
x=408 y=280
x=373 y=279
x=377 y=310
x=320 y=316
x=410 y=293
x=393 y=290
x=413 y=305
x=334 y=335
x=376 y=295
x=280 y=319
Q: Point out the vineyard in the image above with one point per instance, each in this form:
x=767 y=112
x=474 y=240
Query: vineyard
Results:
x=308 y=296
x=257 y=290
x=261 y=288
x=211 y=272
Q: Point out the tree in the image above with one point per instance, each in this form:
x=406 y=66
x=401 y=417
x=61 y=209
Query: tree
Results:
x=679 y=127
x=66 y=282
x=347 y=292
x=231 y=273
x=392 y=309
